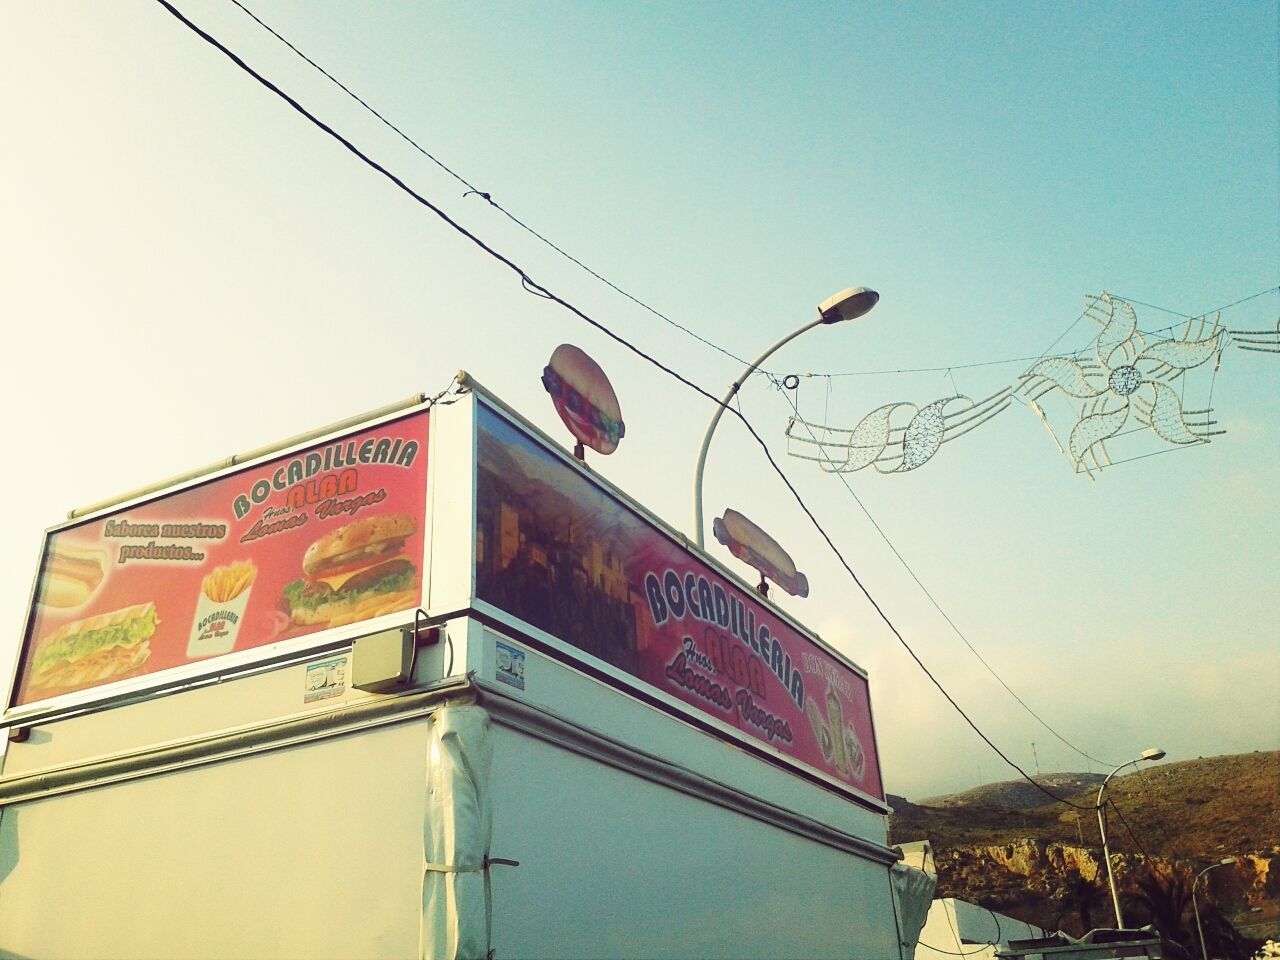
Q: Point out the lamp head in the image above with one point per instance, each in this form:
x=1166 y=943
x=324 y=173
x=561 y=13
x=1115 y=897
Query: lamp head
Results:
x=1152 y=753
x=847 y=304
x=1226 y=860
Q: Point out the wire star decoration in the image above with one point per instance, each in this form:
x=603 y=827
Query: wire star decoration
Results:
x=1124 y=381
x=1127 y=379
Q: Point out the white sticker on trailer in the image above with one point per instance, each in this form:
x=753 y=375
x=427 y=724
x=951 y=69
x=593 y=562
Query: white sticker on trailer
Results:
x=509 y=665
x=325 y=679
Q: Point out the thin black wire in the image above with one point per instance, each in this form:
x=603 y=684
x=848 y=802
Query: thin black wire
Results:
x=1156 y=453
x=937 y=606
x=995 y=363
x=1129 y=830
x=942 y=369
x=952 y=953
x=488 y=197
x=484 y=195
x=1152 y=861
x=537 y=288
x=951 y=923
x=1192 y=316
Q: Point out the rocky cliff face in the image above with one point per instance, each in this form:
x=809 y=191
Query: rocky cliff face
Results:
x=1065 y=886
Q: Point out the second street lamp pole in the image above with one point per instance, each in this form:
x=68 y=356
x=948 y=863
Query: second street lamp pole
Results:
x=1200 y=930
x=1153 y=753
x=846 y=305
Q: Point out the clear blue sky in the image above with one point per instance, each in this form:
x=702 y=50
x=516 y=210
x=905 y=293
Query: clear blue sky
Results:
x=187 y=269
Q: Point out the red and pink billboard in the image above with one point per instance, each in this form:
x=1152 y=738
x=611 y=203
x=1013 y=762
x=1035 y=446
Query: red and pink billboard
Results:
x=563 y=555
x=327 y=536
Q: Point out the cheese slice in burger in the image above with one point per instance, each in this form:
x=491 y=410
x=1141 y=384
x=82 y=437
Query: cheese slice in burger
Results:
x=349 y=568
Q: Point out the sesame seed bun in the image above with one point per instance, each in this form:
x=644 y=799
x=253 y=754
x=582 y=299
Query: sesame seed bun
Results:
x=359 y=542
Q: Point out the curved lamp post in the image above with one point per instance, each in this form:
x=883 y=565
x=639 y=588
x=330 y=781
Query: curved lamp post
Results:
x=1152 y=753
x=845 y=305
x=1213 y=866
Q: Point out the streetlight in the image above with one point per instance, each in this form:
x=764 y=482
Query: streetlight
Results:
x=845 y=305
x=1199 y=929
x=1151 y=753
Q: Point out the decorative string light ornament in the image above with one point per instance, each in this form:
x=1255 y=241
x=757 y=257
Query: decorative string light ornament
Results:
x=1129 y=380
x=1123 y=383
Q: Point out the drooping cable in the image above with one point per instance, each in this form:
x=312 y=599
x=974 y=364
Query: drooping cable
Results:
x=533 y=286
x=925 y=590
x=472 y=189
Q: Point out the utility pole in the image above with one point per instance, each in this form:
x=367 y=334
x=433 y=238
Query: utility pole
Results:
x=1036 y=757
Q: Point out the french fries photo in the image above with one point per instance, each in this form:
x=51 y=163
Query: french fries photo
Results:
x=226 y=583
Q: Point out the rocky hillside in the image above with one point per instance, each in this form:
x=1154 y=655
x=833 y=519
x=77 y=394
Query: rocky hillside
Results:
x=1216 y=806
x=1043 y=864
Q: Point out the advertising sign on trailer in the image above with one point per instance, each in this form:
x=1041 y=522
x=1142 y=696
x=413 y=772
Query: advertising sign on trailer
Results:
x=326 y=536
x=561 y=554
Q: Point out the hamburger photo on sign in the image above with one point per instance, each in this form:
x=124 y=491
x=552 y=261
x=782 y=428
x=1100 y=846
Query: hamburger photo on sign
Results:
x=354 y=572
x=584 y=398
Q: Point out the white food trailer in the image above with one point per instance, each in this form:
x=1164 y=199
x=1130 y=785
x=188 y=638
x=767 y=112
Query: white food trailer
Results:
x=426 y=686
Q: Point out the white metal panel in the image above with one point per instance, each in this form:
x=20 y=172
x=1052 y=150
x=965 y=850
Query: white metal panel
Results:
x=452 y=507
x=274 y=694
x=313 y=851
x=615 y=866
x=568 y=693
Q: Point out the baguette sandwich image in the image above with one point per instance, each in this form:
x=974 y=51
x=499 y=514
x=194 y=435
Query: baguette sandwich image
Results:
x=70 y=575
x=95 y=649
x=355 y=572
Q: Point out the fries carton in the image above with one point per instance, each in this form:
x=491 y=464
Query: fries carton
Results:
x=224 y=597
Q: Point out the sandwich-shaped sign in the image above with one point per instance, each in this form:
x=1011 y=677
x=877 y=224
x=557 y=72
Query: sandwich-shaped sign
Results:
x=584 y=398
x=753 y=546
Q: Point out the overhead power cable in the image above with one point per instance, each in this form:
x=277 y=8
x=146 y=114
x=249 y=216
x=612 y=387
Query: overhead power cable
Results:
x=473 y=190
x=533 y=286
x=925 y=590
x=1152 y=861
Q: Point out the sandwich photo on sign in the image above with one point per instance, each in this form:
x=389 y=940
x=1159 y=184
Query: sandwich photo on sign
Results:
x=584 y=398
x=95 y=649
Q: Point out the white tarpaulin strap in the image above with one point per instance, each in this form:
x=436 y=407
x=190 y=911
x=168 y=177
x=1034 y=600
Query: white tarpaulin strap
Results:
x=455 y=882
x=913 y=892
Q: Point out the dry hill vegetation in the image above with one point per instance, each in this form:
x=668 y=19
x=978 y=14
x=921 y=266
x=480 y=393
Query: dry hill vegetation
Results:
x=1000 y=846
x=1207 y=808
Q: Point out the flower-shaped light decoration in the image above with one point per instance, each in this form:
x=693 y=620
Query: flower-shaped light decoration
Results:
x=1130 y=377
